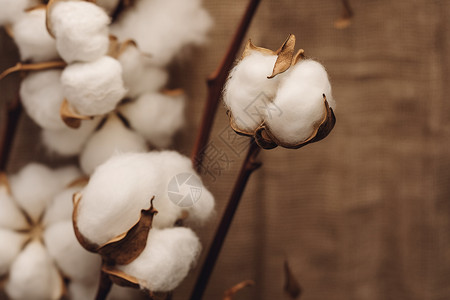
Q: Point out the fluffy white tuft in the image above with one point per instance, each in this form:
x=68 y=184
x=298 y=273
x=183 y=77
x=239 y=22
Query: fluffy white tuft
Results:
x=156 y=116
x=68 y=141
x=72 y=259
x=10 y=245
x=81 y=30
x=33 y=275
x=41 y=94
x=32 y=38
x=121 y=187
x=12 y=10
x=93 y=88
x=108 y=5
x=10 y=215
x=66 y=175
x=61 y=208
x=140 y=73
x=248 y=90
x=149 y=24
x=112 y=138
x=300 y=101
x=166 y=260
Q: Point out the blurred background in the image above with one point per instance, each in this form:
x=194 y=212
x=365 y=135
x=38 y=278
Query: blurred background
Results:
x=363 y=214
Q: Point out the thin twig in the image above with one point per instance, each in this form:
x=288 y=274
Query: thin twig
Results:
x=10 y=115
x=104 y=286
x=216 y=82
x=248 y=166
x=229 y=294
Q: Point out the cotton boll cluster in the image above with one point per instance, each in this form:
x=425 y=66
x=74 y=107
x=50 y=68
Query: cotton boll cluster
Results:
x=156 y=116
x=80 y=29
x=163 y=27
x=247 y=86
x=112 y=138
x=166 y=260
x=35 y=250
x=93 y=88
x=42 y=95
x=300 y=99
x=123 y=186
x=13 y=10
x=32 y=38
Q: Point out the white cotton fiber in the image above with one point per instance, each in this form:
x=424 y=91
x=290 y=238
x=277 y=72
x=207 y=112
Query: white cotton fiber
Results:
x=112 y=138
x=163 y=27
x=108 y=5
x=140 y=73
x=10 y=215
x=156 y=116
x=66 y=175
x=11 y=243
x=72 y=259
x=34 y=276
x=33 y=188
x=32 y=38
x=68 y=141
x=12 y=10
x=61 y=208
x=121 y=187
x=300 y=100
x=166 y=260
x=42 y=95
x=93 y=88
x=81 y=290
x=81 y=30
x=248 y=91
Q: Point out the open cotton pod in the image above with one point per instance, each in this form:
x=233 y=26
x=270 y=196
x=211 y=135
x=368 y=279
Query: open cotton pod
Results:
x=156 y=116
x=166 y=260
x=12 y=10
x=148 y=24
x=32 y=38
x=93 y=88
x=41 y=94
x=140 y=71
x=80 y=29
x=112 y=138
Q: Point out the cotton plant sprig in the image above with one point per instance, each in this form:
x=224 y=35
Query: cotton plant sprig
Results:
x=126 y=215
x=39 y=252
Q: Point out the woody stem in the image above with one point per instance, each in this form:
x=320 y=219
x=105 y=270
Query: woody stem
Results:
x=9 y=118
x=248 y=166
x=104 y=286
x=216 y=82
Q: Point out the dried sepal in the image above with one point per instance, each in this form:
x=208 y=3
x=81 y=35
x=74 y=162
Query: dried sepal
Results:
x=285 y=55
x=346 y=17
x=58 y=64
x=114 y=46
x=70 y=117
x=173 y=92
x=5 y=182
x=250 y=47
x=229 y=294
x=263 y=139
x=126 y=247
x=119 y=277
x=91 y=247
x=235 y=127
x=79 y=182
x=300 y=55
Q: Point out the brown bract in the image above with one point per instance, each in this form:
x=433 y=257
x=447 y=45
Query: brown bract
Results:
x=70 y=116
x=285 y=59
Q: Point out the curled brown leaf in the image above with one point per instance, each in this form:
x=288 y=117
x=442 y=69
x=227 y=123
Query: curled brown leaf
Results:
x=70 y=117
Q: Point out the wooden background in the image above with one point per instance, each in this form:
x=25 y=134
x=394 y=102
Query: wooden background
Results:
x=364 y=214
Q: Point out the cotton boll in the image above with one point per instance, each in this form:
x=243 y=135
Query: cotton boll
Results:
x=33 y=188
x=111 y=139
x=117 y=191
x=68 y=141
x=248 y=91
x=203 y=209
x=33 y=275
x=42 y=95
x=10 y=245
x=10 y=215
x=93 y=88
x=61 y=208
x=12 y=10
x=32 y=38
x=108 y=5
x=140 y=73
x=72 y=259
x=81 y=30
x=81 y=290
x=156 y=116
x=163 y=27
x=66 y=175
x=166 y=259
x=300 y=100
